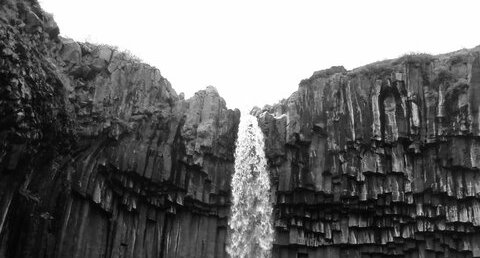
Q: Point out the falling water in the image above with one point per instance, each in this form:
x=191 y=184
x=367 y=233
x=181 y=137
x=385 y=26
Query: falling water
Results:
x=251 y=231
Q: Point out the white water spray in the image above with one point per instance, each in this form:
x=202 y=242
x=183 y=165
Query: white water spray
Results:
x=251 y=230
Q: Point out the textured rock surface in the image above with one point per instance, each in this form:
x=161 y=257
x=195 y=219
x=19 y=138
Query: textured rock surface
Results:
x=380 y=161
x=99 y=156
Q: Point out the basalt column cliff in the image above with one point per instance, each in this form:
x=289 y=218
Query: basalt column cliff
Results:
x=380 y=161
x=100 y=157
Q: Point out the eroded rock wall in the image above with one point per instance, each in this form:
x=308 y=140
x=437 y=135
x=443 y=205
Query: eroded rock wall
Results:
x=99 y=155
x=380 y=161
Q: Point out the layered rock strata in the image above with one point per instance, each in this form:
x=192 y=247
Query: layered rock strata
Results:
x=99 y=155
x=383 y=160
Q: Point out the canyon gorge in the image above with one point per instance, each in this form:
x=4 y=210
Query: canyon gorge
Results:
x=100 y=157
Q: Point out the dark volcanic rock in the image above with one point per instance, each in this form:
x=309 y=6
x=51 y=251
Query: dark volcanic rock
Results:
x=380 y=161
x=99 y=155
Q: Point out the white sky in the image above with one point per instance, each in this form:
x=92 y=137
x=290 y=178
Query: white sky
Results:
x=255 y=52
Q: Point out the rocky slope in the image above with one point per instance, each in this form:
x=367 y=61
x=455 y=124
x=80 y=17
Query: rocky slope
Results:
x=380 y=161
x=99 y=156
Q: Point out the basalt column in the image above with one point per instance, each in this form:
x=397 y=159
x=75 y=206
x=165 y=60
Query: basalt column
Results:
x=99 y=156
x=383 y=160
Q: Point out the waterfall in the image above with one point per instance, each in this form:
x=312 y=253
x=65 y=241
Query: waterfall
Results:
x=250 y=224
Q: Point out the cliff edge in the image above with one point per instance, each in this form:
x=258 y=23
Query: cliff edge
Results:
x=383 y=160
x=99 y=155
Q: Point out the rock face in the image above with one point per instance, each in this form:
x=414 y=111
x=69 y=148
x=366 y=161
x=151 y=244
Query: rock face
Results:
x=380 y=161
x=99 y=156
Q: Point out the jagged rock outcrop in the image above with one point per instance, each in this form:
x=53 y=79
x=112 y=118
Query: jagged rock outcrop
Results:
x=99 y=155
x=383 y=160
